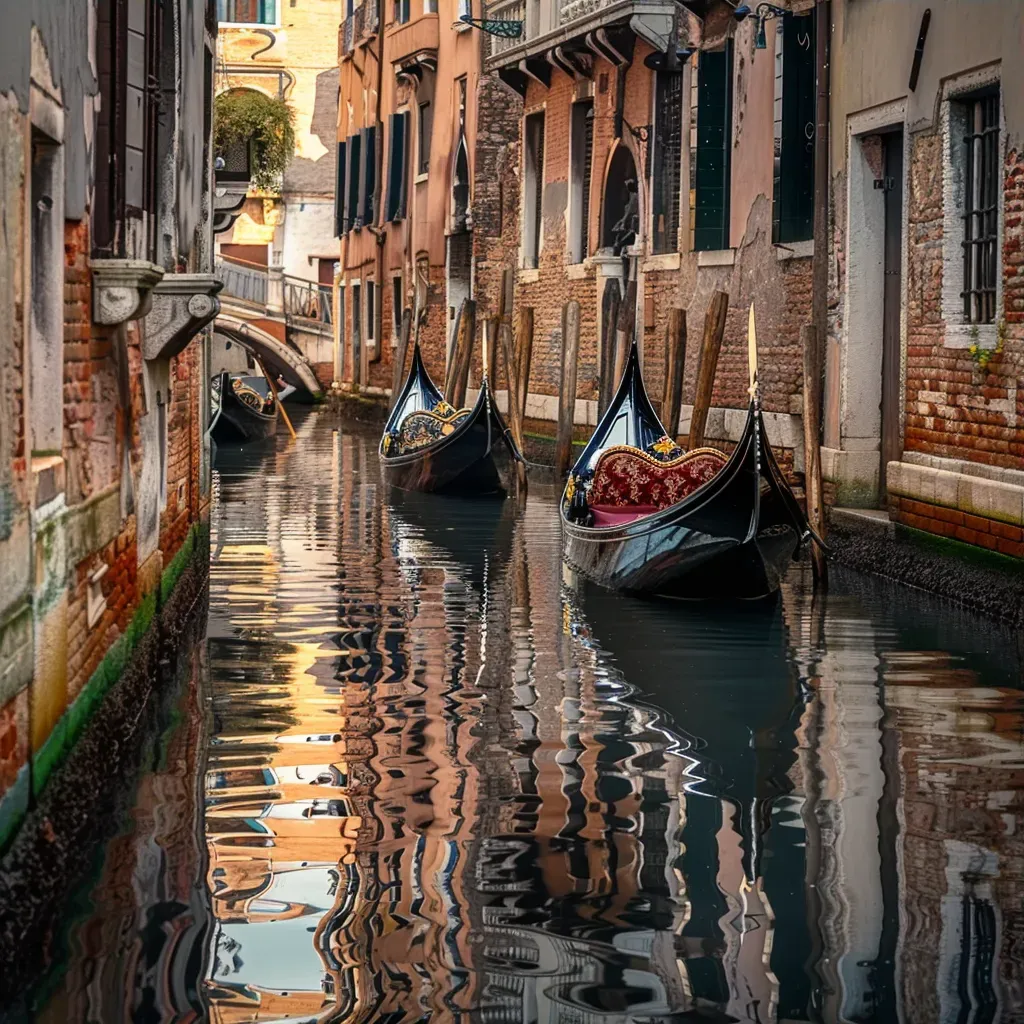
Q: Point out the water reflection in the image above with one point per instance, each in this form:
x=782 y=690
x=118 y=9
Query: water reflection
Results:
x=446 y=782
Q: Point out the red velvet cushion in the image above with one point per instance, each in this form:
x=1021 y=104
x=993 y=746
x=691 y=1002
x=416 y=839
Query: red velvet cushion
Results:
x=627 y=477
x=619 y=515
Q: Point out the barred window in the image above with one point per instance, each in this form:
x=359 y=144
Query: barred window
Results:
x=981 y=208
x=247 y=12
x=667 y=170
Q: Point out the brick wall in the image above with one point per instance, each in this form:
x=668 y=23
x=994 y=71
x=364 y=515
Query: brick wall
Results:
x=950 y=522
x=953 y=407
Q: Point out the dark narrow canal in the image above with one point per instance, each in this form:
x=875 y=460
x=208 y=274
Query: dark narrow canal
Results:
x=420 y=774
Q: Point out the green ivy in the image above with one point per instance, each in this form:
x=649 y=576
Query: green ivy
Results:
x=268 y=125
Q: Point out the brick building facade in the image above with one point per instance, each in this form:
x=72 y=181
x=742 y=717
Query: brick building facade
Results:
x=104 y=281
x=923 y=396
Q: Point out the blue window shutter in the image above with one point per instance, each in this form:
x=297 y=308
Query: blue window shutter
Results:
x=397 y=170
x=339 y=190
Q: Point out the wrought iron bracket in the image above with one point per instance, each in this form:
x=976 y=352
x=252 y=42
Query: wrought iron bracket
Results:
x=495 y=27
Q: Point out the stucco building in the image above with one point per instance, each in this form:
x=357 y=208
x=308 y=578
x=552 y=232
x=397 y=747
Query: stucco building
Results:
x=105 y=279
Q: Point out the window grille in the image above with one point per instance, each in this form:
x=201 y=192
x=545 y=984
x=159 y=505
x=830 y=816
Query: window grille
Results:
x=582 y=164
x=534 y=186
x=247 y=12
x=981 y=209
x=668 y=117
x=426 y=128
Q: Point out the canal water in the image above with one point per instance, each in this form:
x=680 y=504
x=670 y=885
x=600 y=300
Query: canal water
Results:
x=422 y=774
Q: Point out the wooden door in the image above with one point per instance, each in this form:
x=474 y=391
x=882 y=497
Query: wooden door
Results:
x=891 y=302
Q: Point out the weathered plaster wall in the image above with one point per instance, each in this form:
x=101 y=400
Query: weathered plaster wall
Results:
x=308 y=231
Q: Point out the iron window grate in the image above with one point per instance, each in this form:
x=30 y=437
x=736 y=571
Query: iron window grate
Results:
x=981 y=209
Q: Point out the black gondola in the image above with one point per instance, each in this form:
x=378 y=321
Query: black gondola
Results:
x=731 y=532
x=244 y=409
x=429 y=446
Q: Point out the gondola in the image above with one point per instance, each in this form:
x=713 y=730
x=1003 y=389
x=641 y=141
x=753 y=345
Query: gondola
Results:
x=642 y=515
x=244 y=409
x=429 y=446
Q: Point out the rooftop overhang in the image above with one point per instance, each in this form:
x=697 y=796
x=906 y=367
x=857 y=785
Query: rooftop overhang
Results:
x=610 y=32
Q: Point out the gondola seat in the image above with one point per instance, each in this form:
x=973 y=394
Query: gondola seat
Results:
x=630 y=482
x=424 y=427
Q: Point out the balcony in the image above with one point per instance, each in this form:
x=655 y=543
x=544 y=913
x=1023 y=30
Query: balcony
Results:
x=568 y=34
x=358 y=27
x=415 y=42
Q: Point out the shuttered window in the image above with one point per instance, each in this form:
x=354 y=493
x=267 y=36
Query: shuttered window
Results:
x=398 y=170
x=533 y=188
x=368 y=177
x=711 y=166
x=352 y=191
x=339 y=190
x=793 y=199
x=668 y=159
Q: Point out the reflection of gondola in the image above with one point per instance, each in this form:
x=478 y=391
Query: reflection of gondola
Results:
x=470 y=534
x=244 y=409
x=429 y=446
x=642 y=515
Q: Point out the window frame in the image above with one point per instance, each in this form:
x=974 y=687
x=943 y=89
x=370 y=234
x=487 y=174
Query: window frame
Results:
x=533 y=190
x=980 y=207
x=231 y=22
x=581 y=150
x=667 y=172
x=424 y=133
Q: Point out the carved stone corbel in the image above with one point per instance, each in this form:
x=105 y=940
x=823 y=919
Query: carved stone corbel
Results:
x=182 y=305
x=121 y=289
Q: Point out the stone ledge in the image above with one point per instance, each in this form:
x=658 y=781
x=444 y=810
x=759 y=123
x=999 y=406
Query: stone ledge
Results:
x=92 y=524
x=16 y=651
x=181 y=306
x=976 y=495
x=122 y=289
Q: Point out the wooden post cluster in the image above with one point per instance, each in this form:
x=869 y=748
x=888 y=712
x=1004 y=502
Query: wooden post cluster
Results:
x=710 y=347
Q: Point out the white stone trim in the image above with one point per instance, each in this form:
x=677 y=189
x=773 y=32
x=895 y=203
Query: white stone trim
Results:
x=955 y=484
x=959 y=333
x=577 y=271
x=716 y=257
x=529 y=275
x=661 y=261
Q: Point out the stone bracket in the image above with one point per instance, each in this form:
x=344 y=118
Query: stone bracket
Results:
x=121 y=289
x=182 y=305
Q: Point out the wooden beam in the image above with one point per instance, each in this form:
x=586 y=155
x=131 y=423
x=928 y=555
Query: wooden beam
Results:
x=609 y=324
x=455 y=386
x=812 y=447
x=624 y=332
x=710 y=347
x=567 y=395
x=675 y=362
x=515 y=411
x=524 y=354
x=398 y=370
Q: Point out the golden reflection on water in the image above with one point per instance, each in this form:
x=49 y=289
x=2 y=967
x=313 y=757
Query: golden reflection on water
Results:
x=446 y=782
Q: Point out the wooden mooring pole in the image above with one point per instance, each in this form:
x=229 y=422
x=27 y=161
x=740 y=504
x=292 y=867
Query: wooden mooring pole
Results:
x=567 y=395
x=462 y=354
x=524 y=354
x=812 y=447
x=609 y=325
x=675 y=363
x=398 y=370
x=624 y=332
x=710 y=347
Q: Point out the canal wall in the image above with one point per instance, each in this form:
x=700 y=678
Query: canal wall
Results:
x=90 y=772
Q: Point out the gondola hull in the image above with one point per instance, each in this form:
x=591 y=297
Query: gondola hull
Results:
x=238 y=423
x=732 y=537
x=473 y=459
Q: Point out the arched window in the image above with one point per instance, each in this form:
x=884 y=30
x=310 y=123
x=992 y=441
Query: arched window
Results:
x=620 y=193
x=460 y=188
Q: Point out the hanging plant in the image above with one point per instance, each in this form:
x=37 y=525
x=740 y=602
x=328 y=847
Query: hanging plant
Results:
x=984 y=356
x=265 y=123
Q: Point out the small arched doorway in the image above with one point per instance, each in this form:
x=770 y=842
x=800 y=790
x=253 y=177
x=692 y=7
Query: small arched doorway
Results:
x=618 y=196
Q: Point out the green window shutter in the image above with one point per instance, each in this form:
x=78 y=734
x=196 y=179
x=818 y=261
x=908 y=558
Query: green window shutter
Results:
x=339 y=190
x=714 y=147
x=368 y=178
x=397 y=171
x=793 y=193
x=352 y=192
